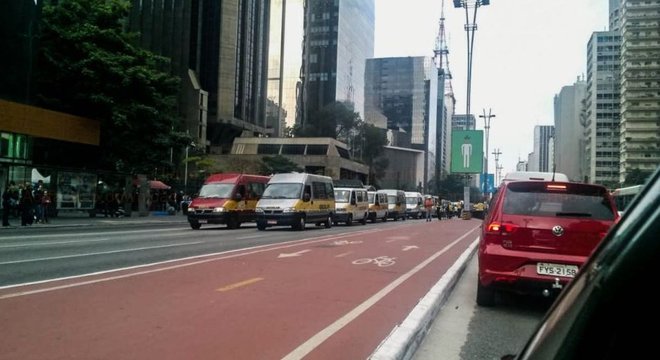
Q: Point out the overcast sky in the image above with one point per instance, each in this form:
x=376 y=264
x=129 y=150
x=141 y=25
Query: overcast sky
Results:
x=524 y=52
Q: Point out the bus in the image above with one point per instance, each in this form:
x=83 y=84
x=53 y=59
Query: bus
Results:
x=624 y=196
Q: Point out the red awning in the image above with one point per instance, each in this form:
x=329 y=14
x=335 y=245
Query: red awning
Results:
x=158 y=185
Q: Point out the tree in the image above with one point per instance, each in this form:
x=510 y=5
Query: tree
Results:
x=278 y=164
x=636 y=177
x=334 y=120
x=373 y=140
x=89 y=66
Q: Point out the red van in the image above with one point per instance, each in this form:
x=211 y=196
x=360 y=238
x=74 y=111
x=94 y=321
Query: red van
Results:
x=227 y=199
x=538 y=234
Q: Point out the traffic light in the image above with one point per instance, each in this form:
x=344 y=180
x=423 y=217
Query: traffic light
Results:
x=485 y=2
x=458 y=3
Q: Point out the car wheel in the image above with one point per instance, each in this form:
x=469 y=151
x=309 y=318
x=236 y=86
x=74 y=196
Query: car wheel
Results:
x=349 y=220
x=328 y=222
x=232 y=223
x=364 y=220
x=261 y=226
x=485 y=295
x=195 y=225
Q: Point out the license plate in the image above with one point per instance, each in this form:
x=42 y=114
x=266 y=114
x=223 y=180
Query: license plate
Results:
x=272 y=222
x=556 y=269
x=202 y=221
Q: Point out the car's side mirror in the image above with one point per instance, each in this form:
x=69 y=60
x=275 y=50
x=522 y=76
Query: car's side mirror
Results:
x=307 y=197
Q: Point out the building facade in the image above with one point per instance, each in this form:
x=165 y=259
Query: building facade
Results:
x=338 y=39
x=445 y=117
x=219 y=49
x=602 y=109
x=284 y=62
x=568 y=131
x=402 y=94
x=640 y=87
x=543 y=157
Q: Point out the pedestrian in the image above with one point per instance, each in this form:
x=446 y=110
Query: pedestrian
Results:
x=6 y=206
x=428 y=206
x=27 y=206
x=438 y=208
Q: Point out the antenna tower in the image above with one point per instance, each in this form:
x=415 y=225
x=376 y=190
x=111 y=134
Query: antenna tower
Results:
x=441 y=52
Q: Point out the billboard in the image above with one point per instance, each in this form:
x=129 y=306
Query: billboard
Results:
x=467 y=151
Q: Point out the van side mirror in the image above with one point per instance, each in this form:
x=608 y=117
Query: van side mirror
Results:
x=307 y=197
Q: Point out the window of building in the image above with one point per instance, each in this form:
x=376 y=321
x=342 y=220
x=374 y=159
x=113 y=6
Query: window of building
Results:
x=343 y=152
x=268 y=149
x=317 y=149
x=293 y=149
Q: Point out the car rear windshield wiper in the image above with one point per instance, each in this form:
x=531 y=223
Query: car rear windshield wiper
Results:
x=575 y=214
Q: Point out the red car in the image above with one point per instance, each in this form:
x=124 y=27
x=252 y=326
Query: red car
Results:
x=538 y=234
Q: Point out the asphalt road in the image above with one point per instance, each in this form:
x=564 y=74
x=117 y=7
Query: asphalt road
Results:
x=217 y=293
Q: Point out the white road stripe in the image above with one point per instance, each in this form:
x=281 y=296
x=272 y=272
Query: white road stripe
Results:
x=257 y=249
x=251 y=237
x=106 y=233
x=78 y=241
x=96 y=253
x=308 y=346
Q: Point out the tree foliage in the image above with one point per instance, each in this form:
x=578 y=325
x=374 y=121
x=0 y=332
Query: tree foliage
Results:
x=278 y=164
x=334 y=120
x=90 y=66
x=636 y=177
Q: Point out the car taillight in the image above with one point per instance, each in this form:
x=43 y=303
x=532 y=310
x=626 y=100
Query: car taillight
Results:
x=556 y=187
x=497 y=228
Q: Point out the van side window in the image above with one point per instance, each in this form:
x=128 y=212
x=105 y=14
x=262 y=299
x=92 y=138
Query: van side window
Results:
x=360 y=196
x=319 y=190
x=255 y=190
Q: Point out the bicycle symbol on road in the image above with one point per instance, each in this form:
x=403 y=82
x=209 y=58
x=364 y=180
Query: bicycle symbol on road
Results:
x=381 y=261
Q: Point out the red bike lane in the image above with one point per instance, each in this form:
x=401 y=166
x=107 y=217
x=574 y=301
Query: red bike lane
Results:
x=308 y=298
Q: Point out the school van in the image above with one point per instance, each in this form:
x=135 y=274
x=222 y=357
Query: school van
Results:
x=228 y=199
x=414 y=205
x=351 y=204
x=396 y=204
x=377 y=205
x=296 y=199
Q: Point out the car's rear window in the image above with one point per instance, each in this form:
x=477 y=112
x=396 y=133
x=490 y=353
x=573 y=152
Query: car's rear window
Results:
x=563 y=200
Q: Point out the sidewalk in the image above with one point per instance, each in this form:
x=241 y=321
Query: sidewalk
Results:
x=81 y=219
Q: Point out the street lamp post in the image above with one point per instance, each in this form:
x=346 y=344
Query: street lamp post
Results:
x=487 y=128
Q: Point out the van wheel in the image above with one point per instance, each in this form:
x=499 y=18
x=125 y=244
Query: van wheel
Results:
x=300 y=225
x=261 y=226
x=328 y=222
x=364 y=220
x=485 y=295
x=385 y=218
x=349 y=220
x=195 y=225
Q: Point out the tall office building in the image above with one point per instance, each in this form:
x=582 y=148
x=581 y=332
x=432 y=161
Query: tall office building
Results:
x=219 y=49
x=640 y=86
x=401 y=94
x=445 y=115
x=568 y=131
x=284 y=62
x=463 y=122
x=339 y=38
x=543 y=156
x=602 y=109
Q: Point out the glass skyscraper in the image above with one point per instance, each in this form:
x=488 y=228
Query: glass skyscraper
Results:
x=339 y=38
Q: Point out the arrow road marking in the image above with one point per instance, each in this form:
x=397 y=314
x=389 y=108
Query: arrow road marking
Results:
x=298 y=253
x=409 y=247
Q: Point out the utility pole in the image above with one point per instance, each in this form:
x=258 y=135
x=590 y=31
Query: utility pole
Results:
x=497 y=154
x=470 y=28
x=487 y=128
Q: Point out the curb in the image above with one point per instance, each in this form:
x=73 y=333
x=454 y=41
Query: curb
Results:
x=91 y=224
x=406 y=337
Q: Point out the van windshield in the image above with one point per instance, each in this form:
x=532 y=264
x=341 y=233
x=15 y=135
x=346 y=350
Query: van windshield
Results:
x=222 y=191
x=342 y=196
x=391 y=199
x=282 y=191
x=411 y=200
